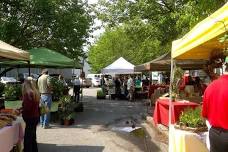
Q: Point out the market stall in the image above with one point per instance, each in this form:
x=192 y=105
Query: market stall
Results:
x=161 y=111
x=120 y=66
x=12 y=134
x=9 y=52
x=163 y=63
x=199 y=43
x=11 y=128
x=43 y=57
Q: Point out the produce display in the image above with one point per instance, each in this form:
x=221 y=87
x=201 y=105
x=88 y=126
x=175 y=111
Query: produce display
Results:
x=6 y=119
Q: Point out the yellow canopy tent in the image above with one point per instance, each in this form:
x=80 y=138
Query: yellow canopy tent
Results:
x=198 y=44
x=203 y=38
x=10 y=52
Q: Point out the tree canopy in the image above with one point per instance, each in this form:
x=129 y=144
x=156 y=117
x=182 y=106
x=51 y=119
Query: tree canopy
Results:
x=61 y=25
x=144 y=29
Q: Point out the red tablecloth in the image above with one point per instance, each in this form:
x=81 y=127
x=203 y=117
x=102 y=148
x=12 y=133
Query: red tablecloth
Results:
x=161 y=111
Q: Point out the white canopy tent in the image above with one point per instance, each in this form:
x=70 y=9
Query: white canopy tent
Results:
x=10 y=52
x=120 y=66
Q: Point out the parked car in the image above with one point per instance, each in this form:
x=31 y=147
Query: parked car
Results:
x=23 y=76
x=95 y=82
x=96 y=78
x=7 y=80
x=86 y=82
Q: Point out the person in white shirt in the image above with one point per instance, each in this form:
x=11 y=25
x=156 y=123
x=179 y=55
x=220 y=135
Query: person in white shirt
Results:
x=130 y=88
x=77 y=85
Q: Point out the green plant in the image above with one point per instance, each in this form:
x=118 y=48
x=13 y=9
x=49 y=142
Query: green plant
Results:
x=100 y=93
x=2 y=87
x=66 y=108
x=12 y=91
x=57 y=88
x=192 y=118
x=178 y=73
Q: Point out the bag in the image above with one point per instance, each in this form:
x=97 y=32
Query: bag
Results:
x=43 y=109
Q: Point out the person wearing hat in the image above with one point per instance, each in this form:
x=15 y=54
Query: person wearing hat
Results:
x=215 y=110
x=44 y=86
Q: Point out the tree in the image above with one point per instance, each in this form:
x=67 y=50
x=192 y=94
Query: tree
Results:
x=150 y=26
x=117 y=42
x=61 y=25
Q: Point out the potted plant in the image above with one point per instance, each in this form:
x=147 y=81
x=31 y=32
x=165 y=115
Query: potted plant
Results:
x=57 y=88
x=12 y=91
x=191 y=120
x=178 y=73
x=101 y=94
x=2 y=99
x=66 y=110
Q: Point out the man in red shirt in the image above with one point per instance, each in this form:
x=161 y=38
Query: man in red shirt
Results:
x=215 y=110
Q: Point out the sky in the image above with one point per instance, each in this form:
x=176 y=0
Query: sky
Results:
x=97 y=22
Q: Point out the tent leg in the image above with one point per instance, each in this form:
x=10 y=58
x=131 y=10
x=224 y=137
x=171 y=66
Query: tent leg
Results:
x=170 y=97
x=29 y=69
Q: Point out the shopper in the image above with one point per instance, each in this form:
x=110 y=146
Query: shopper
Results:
x=30 y=114
x=77 y=86
x=130 y=88
x=45 y=90
x=117 y=88
x=215 y=105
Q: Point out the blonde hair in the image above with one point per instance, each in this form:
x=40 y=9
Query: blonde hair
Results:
x=30 y=86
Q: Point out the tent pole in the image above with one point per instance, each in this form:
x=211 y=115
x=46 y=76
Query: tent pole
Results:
x=29 y=69
x=170 y=99
x=170 y=90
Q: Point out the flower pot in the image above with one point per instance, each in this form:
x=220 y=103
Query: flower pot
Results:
x=71 y=121
x=66 y=122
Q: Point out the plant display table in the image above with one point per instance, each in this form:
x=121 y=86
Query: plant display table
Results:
x=11 y=135
x=186 y=141
x=161 y=111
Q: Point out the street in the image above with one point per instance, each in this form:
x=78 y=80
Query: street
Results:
x=101 y=128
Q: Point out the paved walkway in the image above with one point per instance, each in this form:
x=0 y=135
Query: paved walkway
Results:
x=97 y=129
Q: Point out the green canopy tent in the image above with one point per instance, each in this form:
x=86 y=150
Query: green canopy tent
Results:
x=43 y=57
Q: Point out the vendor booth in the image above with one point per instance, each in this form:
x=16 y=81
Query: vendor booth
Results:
x=9 y=52
x=163 y=63
x=120 y=66
x=43 y=57
x=11 y=126
x=198 y=44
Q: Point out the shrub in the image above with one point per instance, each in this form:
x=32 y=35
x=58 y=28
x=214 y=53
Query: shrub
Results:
x=101 y=94
x=12 y=91
x=192 y=118
x=66 y=108
x=2 y=87
x=57 y=88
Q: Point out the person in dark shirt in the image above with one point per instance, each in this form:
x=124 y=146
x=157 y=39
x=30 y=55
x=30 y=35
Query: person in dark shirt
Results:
x=117 y=87
x=30 y=114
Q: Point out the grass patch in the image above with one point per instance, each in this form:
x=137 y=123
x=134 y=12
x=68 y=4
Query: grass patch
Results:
x=18 y=104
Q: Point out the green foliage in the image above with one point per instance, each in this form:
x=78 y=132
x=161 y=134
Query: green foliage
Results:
x=12 y=91
x=61 y=25
x=192 y=118
x=57 y=88
x=123 y=42
x=66 y=108
x=178 y=74
x=100 y=93
x=142 y=30
x=2 y=87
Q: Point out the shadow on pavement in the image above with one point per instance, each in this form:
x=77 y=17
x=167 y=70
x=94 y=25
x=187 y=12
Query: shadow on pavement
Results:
x=68 y=148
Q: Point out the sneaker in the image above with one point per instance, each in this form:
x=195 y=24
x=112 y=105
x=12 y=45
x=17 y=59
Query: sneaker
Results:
x=46 y=127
